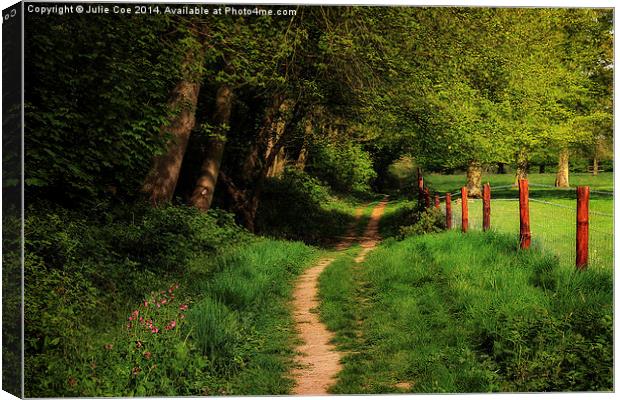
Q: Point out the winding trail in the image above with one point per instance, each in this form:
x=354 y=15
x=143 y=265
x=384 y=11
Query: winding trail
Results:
x=319 y=359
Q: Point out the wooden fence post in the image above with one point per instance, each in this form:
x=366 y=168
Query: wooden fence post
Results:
x=583 y=225
x=448 y=211
x=437 y=204
x=464 y=210
x=486 y=207
x=427 y=198
x=525 y=236
x=420 y=187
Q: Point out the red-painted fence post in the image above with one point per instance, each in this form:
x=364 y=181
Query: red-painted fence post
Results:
x=420 y=187
x=464 y=210
x=448 y=211
x=486 y=207
x=525 y=236
x=437 y=204
x=427 y=198
x=583 y=225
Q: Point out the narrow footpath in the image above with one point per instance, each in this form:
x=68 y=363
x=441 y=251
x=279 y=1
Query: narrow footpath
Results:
x=319 y=360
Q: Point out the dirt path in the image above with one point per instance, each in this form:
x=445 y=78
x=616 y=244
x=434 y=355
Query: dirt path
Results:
x=319 y=358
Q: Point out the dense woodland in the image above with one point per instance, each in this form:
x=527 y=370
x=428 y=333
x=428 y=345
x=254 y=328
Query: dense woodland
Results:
x=153 y=143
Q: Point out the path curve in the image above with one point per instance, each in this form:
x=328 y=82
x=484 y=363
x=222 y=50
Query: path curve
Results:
x=318 y=357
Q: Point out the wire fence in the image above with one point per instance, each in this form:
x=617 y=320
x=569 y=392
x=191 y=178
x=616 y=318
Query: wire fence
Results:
x=553 y=215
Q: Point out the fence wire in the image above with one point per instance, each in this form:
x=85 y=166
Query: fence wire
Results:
x=552 y=224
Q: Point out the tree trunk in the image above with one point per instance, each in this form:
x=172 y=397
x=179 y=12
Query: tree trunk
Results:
x=541 y=169
x=162 y=178
x=501 y=168
x=303 y=153
x=277 y=166
x=474 y=179
x=561 y=179
x=595 y=166
x=523 y=166
x=202 y=197
x=252 y=161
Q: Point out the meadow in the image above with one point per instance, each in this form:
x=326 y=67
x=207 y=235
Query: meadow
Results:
x=552 y=212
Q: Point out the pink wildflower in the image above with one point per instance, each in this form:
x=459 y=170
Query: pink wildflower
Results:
x=158 y=305
x=141 y=319
x=138 y=344
x=147 y=355
x=164 y=301
x=183 y=307
x=146 y=303
x=155 y=330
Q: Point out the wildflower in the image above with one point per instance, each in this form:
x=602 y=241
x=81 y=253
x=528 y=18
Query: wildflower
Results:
x=158 y=305
x=135 y=314
x=138 y=344
x=164 y=301
x=129 y=325
x=154 y=330
x=135 y=371
x=141 y=319
x=146 y=303
x=183 y=307
x=72 y=381
x=147 y=355
x=181 y=316
x=173 y=323
x=108 y=346
x=176 y=286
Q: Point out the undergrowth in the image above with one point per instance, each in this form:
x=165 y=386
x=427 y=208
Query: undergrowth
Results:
x=166 y=301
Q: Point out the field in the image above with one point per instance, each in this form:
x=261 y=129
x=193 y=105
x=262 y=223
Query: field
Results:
x=552 y=212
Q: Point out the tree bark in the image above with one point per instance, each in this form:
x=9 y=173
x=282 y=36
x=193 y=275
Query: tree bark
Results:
x=162 y=178
x=523 y=166
x=561 y=178
x=474 y=179
x=595 y=166
x=252 y=161
x=202 y=197
x=277 y=166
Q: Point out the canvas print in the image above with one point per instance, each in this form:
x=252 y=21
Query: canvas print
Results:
x=241 y=199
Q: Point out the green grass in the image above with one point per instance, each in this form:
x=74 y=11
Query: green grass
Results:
x=451 y=183
x=468 y=313
x=236 y=336
x=552 y=225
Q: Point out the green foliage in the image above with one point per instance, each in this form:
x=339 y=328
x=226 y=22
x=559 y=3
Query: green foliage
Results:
x=298 y=206
x=345 y=166
x=80 y=270
x=431 y=220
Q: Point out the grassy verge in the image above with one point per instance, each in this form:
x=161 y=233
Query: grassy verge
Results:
x=157 y=302
x=467 y=313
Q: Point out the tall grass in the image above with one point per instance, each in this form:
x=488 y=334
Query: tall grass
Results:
x=468 y=313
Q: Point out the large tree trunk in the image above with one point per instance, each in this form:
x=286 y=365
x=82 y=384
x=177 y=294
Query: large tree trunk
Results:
x=161 y=180
x=523 y=166
x=595 y=166
x=474 y=178
x=202 y=197
x=561 y=179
